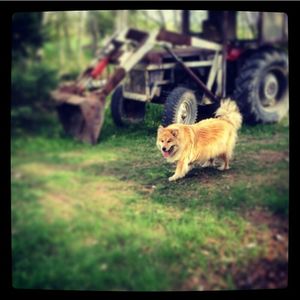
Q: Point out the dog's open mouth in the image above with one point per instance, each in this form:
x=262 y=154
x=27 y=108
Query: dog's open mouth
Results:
x=169 y=152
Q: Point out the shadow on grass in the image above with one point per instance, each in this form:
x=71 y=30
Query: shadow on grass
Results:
x=224 y=191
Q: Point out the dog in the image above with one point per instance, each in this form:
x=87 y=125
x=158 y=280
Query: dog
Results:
x=203 y=142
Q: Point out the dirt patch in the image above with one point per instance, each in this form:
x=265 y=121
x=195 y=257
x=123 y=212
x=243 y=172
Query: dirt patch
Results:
x=204 y=282
x=277 y=234
x=269 y=271
x=266 y=157
x=262 y=274
x=263 y=216
x=259 y=140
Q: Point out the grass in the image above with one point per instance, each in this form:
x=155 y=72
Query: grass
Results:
x=106 y=217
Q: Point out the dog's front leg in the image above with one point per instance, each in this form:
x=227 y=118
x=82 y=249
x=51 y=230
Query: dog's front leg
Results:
x=181 y=169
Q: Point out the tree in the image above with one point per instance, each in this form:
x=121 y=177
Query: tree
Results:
x=81 y=24
x=159 y=21
x=27 y=35
x=31 y=78
x=99 y=24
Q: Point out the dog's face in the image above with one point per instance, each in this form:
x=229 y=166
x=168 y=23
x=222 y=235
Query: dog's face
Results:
x=167 y=141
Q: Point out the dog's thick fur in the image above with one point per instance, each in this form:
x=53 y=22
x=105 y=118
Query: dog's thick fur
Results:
x=202 y=142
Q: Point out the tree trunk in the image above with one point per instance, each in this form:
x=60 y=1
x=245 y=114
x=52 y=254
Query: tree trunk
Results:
x=121 y=19
x=95 y=34
x=59 y=44
x=64 y=20
x=79 y=39
x=162 y=19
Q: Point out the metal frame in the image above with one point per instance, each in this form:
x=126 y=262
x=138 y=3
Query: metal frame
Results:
x=166 y=39
x=214 y=64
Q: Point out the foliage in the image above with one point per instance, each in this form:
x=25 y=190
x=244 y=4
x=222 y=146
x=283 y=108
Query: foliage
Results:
x=27 y=35
x=30 y=95
x=31 y=78
x=102 y=21
x=33 y=85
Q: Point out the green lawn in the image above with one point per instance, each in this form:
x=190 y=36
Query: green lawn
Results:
x=105 y=217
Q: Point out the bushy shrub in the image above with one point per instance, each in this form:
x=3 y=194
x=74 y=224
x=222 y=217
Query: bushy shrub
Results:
x=30 y=93
x=31 y=85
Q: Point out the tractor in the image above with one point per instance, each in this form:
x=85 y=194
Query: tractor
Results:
x=242 y=55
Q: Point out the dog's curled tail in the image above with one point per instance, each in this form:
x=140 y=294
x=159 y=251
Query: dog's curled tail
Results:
x=229 y=111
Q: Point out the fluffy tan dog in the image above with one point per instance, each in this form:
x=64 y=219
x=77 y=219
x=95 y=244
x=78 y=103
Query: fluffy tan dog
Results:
x=202 y=142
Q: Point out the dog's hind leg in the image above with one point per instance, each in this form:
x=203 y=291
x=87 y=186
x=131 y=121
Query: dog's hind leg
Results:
x=208 y=163
x=225 y=162
x=181 y=170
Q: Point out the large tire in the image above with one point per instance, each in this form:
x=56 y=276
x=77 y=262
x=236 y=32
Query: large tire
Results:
x=180 y=107
x=261 y=88
x=125 y=111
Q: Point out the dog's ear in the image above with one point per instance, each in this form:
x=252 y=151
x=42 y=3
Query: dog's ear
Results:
x=160 y=127
x=174 y=132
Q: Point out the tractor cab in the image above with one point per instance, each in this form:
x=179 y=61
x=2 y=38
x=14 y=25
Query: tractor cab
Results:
x=237 y=27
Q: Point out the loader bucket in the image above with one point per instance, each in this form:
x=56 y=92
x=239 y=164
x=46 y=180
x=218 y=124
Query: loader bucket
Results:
x=81 y=116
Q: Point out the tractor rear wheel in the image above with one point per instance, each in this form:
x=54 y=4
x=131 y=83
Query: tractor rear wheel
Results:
x=180 y=107
x=262 y=87
x=126 y=111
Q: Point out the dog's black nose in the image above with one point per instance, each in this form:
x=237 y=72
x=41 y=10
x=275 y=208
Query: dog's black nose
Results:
x=164 y=149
